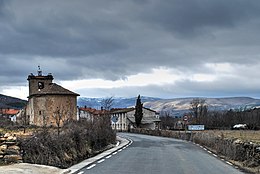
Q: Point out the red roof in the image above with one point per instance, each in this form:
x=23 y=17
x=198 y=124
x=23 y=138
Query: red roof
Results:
x=9 y=111
x=94 y=111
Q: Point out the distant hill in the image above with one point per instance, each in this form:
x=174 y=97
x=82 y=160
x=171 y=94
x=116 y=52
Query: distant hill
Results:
x=118 y=102
x=179 y=106
x=11 y=102
x=175 y=107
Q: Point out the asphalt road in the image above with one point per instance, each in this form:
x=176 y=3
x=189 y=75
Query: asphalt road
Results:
x=153 y=155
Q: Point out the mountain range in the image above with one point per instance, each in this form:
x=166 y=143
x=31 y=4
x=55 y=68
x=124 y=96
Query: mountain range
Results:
x=175 y=107
x=117 y=102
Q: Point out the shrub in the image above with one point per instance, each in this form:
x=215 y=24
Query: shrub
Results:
x=76 y=142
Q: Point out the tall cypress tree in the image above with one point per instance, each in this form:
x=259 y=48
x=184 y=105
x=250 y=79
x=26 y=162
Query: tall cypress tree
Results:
x=138 y=111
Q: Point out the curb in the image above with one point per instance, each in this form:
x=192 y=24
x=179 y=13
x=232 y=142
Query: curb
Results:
x=122 y=142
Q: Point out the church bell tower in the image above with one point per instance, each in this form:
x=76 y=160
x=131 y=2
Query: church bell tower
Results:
x=39 y=82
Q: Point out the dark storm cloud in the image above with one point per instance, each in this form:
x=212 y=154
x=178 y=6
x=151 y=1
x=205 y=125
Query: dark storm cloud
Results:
x=115 y=39
x=195 y=17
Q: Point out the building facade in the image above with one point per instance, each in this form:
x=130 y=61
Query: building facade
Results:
x=90 y=114
x=49 y=103
x=124 y=119
x=9 y=113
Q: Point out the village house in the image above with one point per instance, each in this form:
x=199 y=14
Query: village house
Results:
x=90 y=114
x=124 y=119
x=49 y=103
x=9 y=113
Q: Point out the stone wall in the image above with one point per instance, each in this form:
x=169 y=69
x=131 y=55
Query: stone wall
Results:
x=9 y=149
x=44 y=110
x=246 y=152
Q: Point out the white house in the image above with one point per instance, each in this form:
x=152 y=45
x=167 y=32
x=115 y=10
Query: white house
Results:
x=124 y=119
x=10 y=113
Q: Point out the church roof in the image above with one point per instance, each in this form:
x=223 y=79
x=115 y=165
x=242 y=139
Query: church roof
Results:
x=55 y=89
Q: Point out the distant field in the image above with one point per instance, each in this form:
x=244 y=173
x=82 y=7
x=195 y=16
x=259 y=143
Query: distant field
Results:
x=246 y=135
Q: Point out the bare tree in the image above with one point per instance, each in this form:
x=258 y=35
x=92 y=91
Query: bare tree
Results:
x=60 y=118
x=107 y=103
x=198 y=108
x=167 y=122
x=24 y=119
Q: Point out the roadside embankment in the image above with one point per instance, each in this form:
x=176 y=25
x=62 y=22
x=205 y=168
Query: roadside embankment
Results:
x=244 y=153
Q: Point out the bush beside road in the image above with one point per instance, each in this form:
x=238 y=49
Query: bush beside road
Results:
x=26 y=168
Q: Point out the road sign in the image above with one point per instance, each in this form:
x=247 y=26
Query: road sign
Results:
x=196 y=127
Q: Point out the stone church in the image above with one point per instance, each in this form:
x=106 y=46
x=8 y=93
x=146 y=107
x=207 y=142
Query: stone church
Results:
x=49 y=103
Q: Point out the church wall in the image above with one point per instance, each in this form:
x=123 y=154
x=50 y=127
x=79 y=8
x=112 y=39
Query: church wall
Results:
x=45 y=109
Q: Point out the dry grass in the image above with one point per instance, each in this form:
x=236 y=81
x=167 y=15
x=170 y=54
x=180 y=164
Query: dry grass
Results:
x=19 y=132
x=245 y=135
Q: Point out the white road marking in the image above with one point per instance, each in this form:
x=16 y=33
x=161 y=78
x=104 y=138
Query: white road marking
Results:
x=215 y=155
x=229 y=163
x=209 y=152
x=100 y=161
x=109 y=156
x=90 y=167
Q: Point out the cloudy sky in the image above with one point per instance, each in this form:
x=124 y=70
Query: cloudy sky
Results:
x=122 y=48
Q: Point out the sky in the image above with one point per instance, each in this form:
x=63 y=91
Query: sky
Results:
x=123 y=48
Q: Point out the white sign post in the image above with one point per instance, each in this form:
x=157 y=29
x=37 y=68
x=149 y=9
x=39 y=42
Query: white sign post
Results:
x=195 y=128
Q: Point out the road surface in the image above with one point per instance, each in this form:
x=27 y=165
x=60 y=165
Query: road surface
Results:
x=158 y=155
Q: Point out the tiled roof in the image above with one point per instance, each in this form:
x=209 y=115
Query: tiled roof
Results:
x=9 y=111
x=145 y=120
x=54 y=89
x=94 y=111
x=122 y=110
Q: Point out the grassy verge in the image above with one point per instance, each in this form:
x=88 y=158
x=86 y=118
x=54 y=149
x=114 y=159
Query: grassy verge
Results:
x=244 y=135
